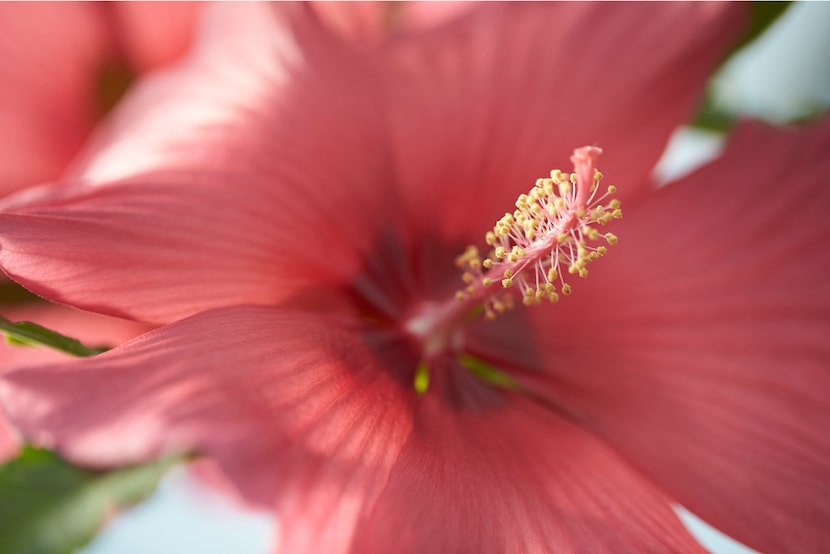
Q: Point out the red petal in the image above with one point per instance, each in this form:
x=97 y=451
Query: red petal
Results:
x=699 y=348
x=487 y=472
x=153 y=34
x=302 y=408
x=490 y=102
x=245 y=193
x=91 y=329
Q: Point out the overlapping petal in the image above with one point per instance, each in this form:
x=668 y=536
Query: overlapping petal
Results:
x=153 y=34
x=91 y=329
x=201 y=196
x=486 y=104
x=699 y=348
x=54 y=60
x=298 y=407
x=492 y=472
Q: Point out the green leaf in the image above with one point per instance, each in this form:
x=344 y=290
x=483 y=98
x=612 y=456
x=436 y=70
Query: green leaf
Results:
x=26 y=333
x=48 y=506
x=710 y=115
x=761 y=16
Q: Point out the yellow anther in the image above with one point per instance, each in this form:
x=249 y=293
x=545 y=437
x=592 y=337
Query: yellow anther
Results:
x=460 y=296
x=612 y=189
x=470 y=255
x=552 y=226
x=590 y=232
x=551 y=209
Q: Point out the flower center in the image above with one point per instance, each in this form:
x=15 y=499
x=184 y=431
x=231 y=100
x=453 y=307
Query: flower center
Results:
x=551 y=232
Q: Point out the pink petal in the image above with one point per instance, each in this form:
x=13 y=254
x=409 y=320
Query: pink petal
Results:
x=154 y=34
x=488 y=103
x=700 y=348
x=308 y=409
x=91 y=329
x=45 y=115
x=369 y=23
x=488 y=472
x=246 y=193
x=358 y=22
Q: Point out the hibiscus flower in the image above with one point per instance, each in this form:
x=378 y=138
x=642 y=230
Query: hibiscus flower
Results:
x=290 y=209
